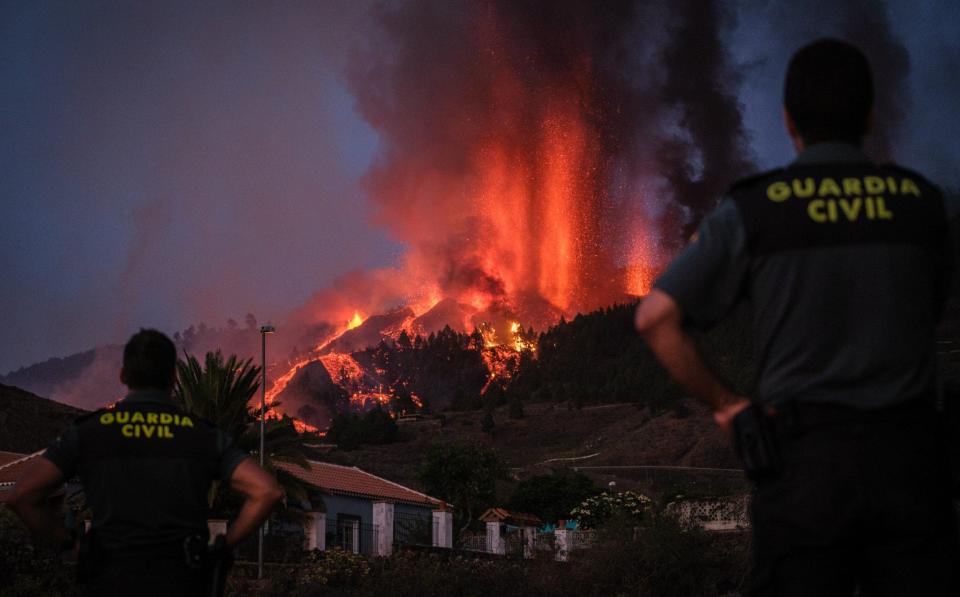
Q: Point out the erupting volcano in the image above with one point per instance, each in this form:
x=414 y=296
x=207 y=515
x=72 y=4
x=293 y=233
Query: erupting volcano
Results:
x=538 y=160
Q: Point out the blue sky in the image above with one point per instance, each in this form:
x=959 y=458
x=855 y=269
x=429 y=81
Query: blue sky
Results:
x=168 y=163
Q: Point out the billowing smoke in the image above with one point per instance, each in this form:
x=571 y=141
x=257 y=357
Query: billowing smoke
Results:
x=529 y=148
x=865 y=23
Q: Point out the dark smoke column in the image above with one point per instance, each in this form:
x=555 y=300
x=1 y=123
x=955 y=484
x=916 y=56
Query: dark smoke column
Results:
x=517 y=137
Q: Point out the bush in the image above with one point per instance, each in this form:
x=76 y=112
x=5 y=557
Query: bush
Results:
x=336 y=568
x=552 y=497
x=26 y=570
x=349 y=431
x=597 y=509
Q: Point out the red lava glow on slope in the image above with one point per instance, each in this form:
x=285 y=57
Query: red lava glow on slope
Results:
x=523 y=222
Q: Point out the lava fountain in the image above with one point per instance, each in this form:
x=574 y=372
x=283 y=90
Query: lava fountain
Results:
x=530 y=162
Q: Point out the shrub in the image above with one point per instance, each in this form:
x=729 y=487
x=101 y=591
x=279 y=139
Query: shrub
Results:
x=596 y=509
x=27 y=570
x=336 y=568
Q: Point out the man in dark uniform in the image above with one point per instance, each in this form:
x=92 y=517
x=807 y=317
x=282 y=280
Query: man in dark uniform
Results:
x=845 y=264
x=146 y=467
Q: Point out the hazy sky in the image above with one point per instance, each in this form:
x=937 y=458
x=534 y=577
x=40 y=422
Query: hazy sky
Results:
x=166 y=163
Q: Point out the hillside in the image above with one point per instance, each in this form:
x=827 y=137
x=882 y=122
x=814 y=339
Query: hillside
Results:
x=28 y=422
x=606 y=442
x=86 y=380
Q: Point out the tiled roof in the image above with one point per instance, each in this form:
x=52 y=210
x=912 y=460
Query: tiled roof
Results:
x=11 y=467
x=349 y=480
x=8 y=457
x=514 y=518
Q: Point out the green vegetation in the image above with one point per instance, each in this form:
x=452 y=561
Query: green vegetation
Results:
x=220 y=391
x=464 y=475
x=351 y=430
x=660 y=559
x=552 y=497
x=28 y=570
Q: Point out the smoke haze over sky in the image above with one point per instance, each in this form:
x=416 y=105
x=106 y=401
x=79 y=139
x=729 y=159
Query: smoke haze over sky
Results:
x=168 y=163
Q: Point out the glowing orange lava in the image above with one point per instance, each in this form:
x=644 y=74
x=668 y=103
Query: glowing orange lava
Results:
x=355 y=321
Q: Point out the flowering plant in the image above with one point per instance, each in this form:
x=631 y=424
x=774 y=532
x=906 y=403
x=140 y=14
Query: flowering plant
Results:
x=596 y=509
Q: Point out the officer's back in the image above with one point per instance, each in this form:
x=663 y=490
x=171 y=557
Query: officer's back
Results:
x=146 y=468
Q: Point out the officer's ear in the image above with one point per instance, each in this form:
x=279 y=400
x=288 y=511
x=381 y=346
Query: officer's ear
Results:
x=795 y=135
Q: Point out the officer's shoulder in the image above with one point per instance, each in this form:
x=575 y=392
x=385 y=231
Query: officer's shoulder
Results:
x=95 y=414
x=749 y=182
x=904 y=171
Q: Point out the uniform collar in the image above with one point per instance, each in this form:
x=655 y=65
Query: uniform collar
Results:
x=831 y=152
x=148 y=395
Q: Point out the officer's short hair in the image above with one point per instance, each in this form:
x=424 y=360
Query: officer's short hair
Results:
x=829 y=92
x=149 y=361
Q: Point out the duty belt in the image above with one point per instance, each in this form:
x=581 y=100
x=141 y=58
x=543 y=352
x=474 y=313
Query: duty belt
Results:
x=797 y=417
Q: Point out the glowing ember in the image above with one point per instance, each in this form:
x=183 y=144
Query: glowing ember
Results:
x=368 y=400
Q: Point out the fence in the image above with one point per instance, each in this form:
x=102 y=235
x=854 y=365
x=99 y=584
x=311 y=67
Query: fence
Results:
x=413 y=529
x=582 y=539
x=545 y=542
x=714 y=515
x=282 y=542
x=473 y=543
x=352 y=535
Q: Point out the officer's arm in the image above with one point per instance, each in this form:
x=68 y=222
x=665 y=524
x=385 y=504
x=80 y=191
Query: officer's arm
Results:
x=660 y=321
x=262 y=493
x=40 y=479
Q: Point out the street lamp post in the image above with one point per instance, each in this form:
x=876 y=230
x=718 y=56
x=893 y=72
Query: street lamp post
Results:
x=264 y=330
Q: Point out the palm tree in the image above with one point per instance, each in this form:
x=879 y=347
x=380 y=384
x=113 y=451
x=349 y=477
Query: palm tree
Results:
x=220 y=392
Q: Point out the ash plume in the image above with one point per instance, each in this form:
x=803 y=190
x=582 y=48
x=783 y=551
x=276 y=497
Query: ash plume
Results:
x=866 y=24
x=526 y=136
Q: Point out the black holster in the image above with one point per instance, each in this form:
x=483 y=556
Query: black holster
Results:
x=88 y=557
x=755 y=441
x=217 y=561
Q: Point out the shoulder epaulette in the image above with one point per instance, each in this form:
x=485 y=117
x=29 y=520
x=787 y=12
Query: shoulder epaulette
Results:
x=751 y=180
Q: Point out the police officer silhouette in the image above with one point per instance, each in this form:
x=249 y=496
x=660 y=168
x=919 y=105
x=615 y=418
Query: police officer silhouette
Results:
x=146 y=468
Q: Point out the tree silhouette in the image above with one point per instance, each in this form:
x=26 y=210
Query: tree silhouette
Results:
x=220 y=391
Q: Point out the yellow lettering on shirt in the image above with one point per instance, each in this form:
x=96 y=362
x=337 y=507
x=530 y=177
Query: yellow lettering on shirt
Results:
x=106 y=419
x=778 y=191
x=136 y=417
x=851 y=208
x=873 y=184
x=815 y=211
x=127 y=430
x=804 y=188
x=882 y=212
x=152 y=418
x=908 y=187
x=828 y=186
x=851 y=187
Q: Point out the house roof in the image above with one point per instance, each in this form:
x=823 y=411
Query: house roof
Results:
x=519 y=519
x=350 y=481
x=8 y=457
x=11 y=467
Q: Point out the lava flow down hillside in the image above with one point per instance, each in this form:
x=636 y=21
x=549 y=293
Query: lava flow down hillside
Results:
x=538 y=159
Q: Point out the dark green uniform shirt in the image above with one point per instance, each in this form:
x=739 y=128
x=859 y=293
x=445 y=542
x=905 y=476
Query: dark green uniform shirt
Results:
x=146 y=468
x=846 y=267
